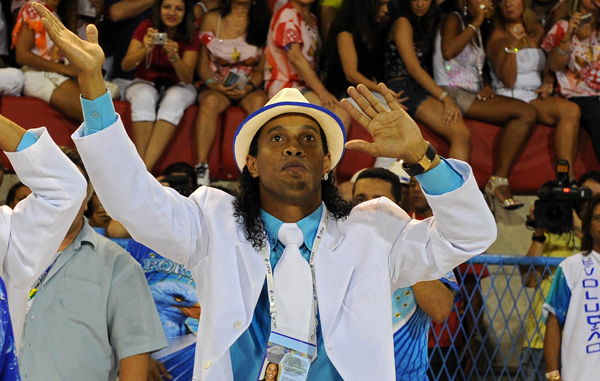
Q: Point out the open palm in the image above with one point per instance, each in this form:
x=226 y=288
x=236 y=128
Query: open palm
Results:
x=394 y=133
x=84 y=56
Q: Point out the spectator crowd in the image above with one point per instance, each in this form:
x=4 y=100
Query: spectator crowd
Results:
x=510 y=63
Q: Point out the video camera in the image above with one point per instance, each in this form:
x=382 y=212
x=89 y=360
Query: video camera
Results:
x=180 y=183
x=554 y=209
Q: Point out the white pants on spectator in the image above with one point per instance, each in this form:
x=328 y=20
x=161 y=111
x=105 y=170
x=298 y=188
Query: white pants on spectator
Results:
x=11 y=82
x=143 y=97
x=41 y=84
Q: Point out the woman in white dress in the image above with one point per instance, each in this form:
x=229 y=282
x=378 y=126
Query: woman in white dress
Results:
x=519 y=70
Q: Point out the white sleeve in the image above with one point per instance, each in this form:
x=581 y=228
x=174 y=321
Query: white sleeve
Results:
x=155 y=216
x=461 y=228
x=31 y=234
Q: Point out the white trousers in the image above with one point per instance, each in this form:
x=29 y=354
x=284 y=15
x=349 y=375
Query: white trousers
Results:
x=143 y=97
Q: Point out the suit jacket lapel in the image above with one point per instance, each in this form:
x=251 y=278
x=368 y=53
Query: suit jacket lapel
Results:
x=333 y=274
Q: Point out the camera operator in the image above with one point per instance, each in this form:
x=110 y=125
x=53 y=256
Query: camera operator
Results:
x=556 y=242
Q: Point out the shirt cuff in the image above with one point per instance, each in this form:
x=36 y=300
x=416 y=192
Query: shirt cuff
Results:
x=441 y=179
x=98 y=114
x=27 y=140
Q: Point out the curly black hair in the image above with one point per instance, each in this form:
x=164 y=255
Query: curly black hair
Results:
x=247 y=204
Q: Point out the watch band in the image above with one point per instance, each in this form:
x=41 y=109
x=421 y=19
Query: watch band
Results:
x=423 y=164
x=538 y=238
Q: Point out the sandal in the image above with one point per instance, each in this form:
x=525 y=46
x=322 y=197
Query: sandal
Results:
x=494 y=195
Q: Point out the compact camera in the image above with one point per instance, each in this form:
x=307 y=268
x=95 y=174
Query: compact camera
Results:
x=554 y=209
x=160 y=38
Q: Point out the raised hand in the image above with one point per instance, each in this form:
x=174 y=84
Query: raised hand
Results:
x=394 y=133
x=149 y=39
x=516 y=35
x=86 y=57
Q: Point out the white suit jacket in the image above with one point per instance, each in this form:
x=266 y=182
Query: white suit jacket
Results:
x=31 y=233
x=358 y=262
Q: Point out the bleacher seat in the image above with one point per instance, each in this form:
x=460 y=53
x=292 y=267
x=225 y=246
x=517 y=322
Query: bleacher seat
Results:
x=534 y=165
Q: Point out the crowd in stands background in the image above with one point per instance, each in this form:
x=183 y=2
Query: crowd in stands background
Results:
x=435 y=62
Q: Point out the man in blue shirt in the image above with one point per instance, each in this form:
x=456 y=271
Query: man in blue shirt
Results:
x=96 y=295
x=31 y=233
x=286 y=152
x=412 y=306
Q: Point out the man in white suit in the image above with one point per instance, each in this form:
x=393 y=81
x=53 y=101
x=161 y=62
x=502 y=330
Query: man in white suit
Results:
x=31 y=233
x=286 y=152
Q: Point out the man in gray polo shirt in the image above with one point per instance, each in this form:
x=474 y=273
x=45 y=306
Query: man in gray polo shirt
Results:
x=91 y=314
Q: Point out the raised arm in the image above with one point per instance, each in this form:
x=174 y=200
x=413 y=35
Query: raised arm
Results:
x=559 y=52
x=136 y=53
x=455 y=38
x=463 y=225
x=31 y=234
x=501 y=52
x=155 y=216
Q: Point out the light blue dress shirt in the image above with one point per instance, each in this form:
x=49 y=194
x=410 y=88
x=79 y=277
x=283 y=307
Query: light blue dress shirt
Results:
x=93 y=309
x=248 y=351
x=27 y=140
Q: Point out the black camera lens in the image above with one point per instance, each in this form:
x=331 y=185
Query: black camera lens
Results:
x=555 y=213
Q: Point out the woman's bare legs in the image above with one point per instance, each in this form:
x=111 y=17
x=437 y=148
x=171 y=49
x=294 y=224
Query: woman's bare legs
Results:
x=65 y=98
x=456 y=134
x=253 y=101
x=212 y=104
x=141 y=135
x=565 y=115
x=518 y=120
x=162 y=132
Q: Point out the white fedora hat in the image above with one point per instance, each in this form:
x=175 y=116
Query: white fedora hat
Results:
x=288 y=101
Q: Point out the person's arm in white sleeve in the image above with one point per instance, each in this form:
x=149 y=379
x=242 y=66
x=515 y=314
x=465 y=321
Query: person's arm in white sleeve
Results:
x=461 y=228
x=153 y=215
x=31 y=234
x=463 y=225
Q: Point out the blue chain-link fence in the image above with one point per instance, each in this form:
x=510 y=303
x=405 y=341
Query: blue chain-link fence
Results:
x=494 y=332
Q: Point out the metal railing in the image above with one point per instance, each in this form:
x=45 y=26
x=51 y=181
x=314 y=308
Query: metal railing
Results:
x=488 y=337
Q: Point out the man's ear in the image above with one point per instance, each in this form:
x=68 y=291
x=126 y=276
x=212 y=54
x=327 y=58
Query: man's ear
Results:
x=252 y=167
x=327 y=163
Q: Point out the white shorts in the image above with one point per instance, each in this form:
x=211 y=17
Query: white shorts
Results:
x=143 y=96
x=11 y=81
x=41 y=84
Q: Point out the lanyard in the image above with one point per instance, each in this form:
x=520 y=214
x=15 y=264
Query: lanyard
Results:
x=39 y=284
x=266 y=253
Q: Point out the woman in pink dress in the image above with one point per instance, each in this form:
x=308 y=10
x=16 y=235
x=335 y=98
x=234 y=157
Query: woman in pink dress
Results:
x=233 y=38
